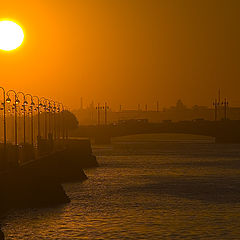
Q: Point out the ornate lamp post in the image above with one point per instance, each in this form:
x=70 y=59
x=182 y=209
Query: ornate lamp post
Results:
x=24 y=116
x=16 y=102
x=58 y=122
x=31 y=109
x=67 y=125
x=38 y=109
x=43 y=103
x=50 y=119
x=54 y=119
x=4 y=125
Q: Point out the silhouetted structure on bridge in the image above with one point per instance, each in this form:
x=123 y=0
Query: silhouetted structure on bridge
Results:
x=223 y=131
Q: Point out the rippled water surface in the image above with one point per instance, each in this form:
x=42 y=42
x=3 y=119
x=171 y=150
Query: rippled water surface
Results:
x=148 y=187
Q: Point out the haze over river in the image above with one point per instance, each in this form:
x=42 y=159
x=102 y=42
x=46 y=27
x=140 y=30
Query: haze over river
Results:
x=147 y=187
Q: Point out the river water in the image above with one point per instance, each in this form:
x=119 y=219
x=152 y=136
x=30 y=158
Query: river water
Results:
x=147 y=187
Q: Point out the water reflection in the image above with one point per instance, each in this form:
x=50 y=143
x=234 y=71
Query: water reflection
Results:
x=182 y=190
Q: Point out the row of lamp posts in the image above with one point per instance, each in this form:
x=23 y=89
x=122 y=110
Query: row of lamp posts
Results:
x=49 y=106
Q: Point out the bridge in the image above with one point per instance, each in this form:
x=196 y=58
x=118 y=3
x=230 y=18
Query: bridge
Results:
x=36 y=155
x=32 y=128
x=225 y=131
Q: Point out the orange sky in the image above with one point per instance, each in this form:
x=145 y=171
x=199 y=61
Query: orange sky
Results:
x=125 y=51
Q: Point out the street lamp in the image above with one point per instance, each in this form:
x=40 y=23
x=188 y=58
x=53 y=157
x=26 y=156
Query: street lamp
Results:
x=38 y=108
x=54 y=119
x=43 y=103
x=24 y=115
x=50 y=118
x=59 y=121
x=106 y=108
x=63 y=119
x=16 y=102
x=99 y=108
x=225 y=103
x=58 y=124
x=31 y=108
x=4 y=125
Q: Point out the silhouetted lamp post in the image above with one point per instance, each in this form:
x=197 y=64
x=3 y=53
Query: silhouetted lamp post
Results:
x=106 y=108
x=54 y=117
x=4 y=125
x=58 y=124
x=50 y=132
x=63 y=120
x=24 y=115
x=99 y=108
x=60 y=121
x=16 y=102
x=225 y=103
x=38 y=109
x=44 y=105
x=31 y=109
x=67 y=124
x=54 y=112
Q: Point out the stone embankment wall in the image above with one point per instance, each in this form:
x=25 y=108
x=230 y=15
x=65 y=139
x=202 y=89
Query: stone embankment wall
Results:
x=38 y=183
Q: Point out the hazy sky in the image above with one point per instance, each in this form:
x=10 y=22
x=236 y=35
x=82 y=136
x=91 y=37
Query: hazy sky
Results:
x=125 y=51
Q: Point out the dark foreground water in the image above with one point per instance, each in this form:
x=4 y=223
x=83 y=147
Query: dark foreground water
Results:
x=148 y=187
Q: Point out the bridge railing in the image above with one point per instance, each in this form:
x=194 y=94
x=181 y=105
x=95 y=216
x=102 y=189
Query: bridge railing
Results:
x=29 y=126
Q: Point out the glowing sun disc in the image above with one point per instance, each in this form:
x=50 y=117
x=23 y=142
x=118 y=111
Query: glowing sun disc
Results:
x=11 y=35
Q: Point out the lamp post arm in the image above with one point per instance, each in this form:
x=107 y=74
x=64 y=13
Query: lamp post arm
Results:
x=24 y=95
x=15 y=109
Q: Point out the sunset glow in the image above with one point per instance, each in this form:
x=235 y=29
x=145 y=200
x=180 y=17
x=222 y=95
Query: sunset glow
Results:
x=11 y=35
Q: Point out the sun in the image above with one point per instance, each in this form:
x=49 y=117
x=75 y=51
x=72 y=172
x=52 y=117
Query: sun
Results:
x=11 y=35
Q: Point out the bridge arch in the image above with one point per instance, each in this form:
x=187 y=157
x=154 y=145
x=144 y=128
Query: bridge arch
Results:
x=164 y=137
